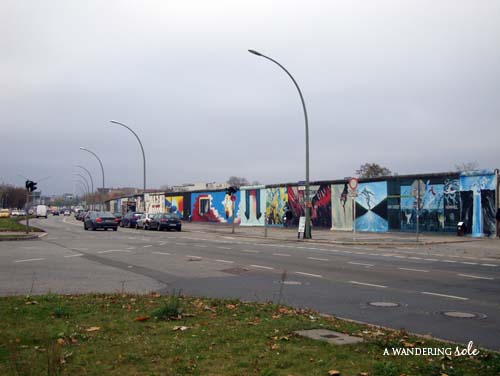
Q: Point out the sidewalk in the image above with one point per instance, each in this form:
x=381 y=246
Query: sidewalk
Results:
x=333 y=237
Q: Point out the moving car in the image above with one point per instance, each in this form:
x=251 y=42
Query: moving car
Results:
x=130 y=219
x=55 y=212
x=94 y=220
x=67 y=212
x=165 y=221
x=4 y=213
x=143 y=221
x=41 y=211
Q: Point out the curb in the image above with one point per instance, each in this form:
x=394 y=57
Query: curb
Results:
x=33 y=236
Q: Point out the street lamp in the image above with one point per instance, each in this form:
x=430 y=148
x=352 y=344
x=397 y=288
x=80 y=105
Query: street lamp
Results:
x=102 y=170
x=91 y=180
x=307 y=230
x=142 y=149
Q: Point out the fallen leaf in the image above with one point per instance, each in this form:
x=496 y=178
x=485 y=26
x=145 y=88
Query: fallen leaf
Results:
x=408 y=344
x=142 y=318
x=333 y=372
x=230 y=306
x=31 y=302
x=181 y=328
x=364 y=374
x=61 y=341
x=93 y=329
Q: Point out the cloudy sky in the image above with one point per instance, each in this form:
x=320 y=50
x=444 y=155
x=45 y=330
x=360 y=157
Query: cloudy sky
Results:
x=412 y=85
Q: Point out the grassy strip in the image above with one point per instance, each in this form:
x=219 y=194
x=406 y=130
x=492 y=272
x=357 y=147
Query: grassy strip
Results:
x=153 y=335
x=12 y=224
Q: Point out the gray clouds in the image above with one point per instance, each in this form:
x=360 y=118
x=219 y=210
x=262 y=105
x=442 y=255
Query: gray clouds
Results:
x=413 y=85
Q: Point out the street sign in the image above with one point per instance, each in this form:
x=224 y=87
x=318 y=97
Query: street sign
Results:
x=302 y=225
x=233 y=198
x=353 y=183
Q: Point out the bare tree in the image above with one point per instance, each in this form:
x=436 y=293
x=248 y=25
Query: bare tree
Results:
x=372 y=170
x=236 y=181
x=467 y=166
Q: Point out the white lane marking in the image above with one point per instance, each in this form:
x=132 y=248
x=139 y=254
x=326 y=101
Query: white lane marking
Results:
x=361 y=253
x=147 y=246
x=401 y=257
x=198 y=257
x=262 y=267
x=200 y=245
x=415 y=270
x=249 y=251
x=345 y=251
x=450 y=261
x=489 y=265
x=79 y=249
x=430 y=259
x=27 y=260
x=162 y=243
x=225 y=261
x=468 y=263
x=444 y=296
x=310 y=275
x=114 y=250
x=416 y=258
x=161 y=253
x=367 y=284
x=77 y=255
x=281 y=254
x=475 y=276
x=224 y=247
x=318 y=258
x=360 y=263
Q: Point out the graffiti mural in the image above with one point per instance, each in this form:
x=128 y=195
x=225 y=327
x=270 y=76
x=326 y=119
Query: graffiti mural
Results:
x=477 y=193
x=174 y=204
x=342 y=211
x=276 y=203
x=214 y=207
x=431 y=214
x=320 y=200
x=371 y=207
x=253 y=206
x=452 y=203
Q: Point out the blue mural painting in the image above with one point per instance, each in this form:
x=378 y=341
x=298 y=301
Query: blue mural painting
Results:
x=214 y=206
x=371 y=207
x=253 y=205
x=477 y=192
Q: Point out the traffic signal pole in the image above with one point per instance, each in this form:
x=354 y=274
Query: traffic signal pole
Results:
x=27 y=211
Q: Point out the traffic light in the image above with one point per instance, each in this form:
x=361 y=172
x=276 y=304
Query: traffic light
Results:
x=33 y=186
x=30 y=185
x=231 y=190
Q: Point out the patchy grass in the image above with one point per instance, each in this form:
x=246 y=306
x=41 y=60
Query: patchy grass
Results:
x=119 y=335
x=12 y=224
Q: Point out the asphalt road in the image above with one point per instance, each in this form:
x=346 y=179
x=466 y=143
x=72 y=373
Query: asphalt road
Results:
x=424 y=283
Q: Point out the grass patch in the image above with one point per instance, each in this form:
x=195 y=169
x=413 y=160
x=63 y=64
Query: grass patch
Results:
x=119 y=335
x=12 y=224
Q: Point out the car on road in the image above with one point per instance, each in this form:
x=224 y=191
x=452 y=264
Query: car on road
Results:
x=130 y=219
x=165 y=221
x=104 y=220
x=143 y=221
x=55 y=212
x=67 y=212
x=119 y=216
x=41 y=211
x=4 y=213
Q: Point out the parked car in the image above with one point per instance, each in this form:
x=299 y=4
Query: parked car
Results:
x=165 y=221
x=94 y=220
x=130 y=219
x=41 y=211
x=4 y=213
x=14 y=213
x=67 y=213
x=55 y=212
x=143 y=221
x=119 y=216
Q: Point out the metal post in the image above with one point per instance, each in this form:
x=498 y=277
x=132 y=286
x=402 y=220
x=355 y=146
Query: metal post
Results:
x=354 y=216
x=92 y=206
x=307 y=230
x=27 y=211
x=233 y=225
x=102 y=170
x=418 y=207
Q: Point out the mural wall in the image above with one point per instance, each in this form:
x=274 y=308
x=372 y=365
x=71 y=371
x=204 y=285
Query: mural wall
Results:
x=214 y=206
x=321 y=210
x=253 y=205
x=276 y=204
x=341 y=204
x=371 y=207
x=154 y=202
x=174 y=204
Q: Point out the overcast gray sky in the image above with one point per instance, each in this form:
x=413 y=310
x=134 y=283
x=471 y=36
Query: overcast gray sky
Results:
x=411 y=85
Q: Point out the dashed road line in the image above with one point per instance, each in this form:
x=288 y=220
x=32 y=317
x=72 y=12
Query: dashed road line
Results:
x=262 y=267
x=249 y=251
x=444 y=295
x=77 y=255
x=468 y=263
x=162 y=253
x=414 y=270
x=114 y=250
x=281 y=254
x=318 y=258
x=190 y=256
x=493 y=265
x=225 y=261
x=475 y=276
x=430 y=259
x=147 y=246
x=200 y=245
x=449 y=261
x=224 y=247
x=367 y=284
x=360 y=263
x=28 y=260
x=310 y=275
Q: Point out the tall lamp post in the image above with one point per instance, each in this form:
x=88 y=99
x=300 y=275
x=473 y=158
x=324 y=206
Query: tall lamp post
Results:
x=91 y=180
x=307 y=230
x=102 y=170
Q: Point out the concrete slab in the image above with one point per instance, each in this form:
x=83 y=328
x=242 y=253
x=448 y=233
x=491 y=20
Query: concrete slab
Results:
x=329 y=336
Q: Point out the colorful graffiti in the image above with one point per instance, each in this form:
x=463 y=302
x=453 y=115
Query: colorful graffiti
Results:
x=341 y=205
x=276 y=203
x=477 y=193
x=253 y=206
x=321 y=214
x=371 y=207
x=214 y=207
x=174 y=204
x=431 y=213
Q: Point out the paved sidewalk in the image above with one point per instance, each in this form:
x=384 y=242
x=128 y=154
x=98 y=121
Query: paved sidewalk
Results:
x=334 y=237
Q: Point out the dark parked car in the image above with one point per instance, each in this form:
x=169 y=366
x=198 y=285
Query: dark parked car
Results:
x=119 y=216
x=165 y=221
x=94 y=220
x=130 y=219
x=55 y=212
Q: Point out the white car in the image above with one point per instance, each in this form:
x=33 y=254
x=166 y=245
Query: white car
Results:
x=41 y=211
x=66 y=212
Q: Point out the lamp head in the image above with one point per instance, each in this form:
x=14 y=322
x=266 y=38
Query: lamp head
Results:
x=255 y=52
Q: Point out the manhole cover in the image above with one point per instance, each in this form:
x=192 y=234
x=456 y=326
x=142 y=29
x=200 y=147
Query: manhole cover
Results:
x=383 y=304
x=460 y=315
